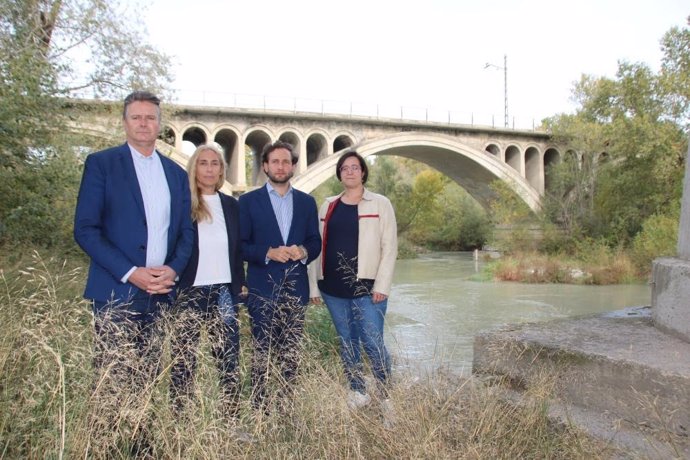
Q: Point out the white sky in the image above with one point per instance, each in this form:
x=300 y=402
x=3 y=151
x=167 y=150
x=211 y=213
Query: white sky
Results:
x=423 y=54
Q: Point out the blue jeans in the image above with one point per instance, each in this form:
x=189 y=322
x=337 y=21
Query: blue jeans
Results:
x=358 y=322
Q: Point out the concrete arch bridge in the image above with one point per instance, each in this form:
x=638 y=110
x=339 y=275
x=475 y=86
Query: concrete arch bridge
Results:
x=471 y=155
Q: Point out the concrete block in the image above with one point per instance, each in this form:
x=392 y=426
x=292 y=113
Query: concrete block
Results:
x=620 y=366
x=671 y=296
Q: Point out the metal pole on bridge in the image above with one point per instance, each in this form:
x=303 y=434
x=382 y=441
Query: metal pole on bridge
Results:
x=505 y=86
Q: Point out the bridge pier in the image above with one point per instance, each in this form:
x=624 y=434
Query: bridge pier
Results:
x=671 y=276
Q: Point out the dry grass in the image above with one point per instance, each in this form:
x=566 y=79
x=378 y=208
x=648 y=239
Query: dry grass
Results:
x=600 y=268
x=53 y=404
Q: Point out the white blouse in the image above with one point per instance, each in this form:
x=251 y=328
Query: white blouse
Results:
x=214 y=260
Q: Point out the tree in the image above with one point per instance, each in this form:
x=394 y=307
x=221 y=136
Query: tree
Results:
x=628 y=145
x=569 y=198
x=63 y=48
x=462 y=224
x=675 y=73
x=383 y=176
x=53 y=49
x=95 y=47
x=331 y=187
x=418 y=204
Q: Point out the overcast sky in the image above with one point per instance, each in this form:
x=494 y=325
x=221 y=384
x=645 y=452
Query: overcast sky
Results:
x=426 y=54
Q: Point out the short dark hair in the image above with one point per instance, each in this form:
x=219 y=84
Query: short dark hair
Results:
x=141 y=96
x=362 y=164
x=268 y=148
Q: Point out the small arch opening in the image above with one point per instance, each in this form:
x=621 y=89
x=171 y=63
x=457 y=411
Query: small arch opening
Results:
x=255 y=142
x=342 y=142
x=317 y=148
x=513 y=157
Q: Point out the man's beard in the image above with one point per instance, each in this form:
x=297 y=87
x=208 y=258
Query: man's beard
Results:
x=275 y=180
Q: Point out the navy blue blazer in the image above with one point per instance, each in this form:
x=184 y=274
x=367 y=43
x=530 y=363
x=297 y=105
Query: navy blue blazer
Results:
x=259 y=231
x=231 y=213
x=110 y=222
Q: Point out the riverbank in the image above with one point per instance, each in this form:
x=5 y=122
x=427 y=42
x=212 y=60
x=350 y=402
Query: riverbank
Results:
x=597 y=268
x=48 y=407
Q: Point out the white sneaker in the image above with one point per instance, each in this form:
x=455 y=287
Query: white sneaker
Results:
x=356 y=400
x=388 y=414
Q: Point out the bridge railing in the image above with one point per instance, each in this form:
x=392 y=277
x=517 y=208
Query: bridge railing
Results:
x=351 y=109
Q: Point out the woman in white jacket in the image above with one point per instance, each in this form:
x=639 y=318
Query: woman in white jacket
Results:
x=354 y=273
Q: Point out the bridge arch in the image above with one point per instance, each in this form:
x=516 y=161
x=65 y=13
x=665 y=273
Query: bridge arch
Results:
x=533 y=168
x=343 y=140
x=169 y=135
x=229 y=138
x=292 y=136
x=551 y=158
x=494 y=150
x=256 y=139
x=317 y=146
x=472 y=169
x=513 y=158
x=196 y=133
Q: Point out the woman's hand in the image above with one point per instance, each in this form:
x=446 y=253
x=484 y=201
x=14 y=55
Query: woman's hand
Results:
x=377 y=297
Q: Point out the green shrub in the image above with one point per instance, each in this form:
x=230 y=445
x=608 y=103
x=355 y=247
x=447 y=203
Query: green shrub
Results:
x=37 y=201
x=554 y=240
x=658 y=238
x=406 y=250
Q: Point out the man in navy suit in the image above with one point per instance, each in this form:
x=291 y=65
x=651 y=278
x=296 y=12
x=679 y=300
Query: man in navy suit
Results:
x=133 y=220
x=280 y=235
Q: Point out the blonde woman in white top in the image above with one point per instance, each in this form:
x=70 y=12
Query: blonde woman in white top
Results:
x=212 y=282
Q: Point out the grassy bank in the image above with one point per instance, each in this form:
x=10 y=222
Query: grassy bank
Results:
x=600 y=268
x=52 y=404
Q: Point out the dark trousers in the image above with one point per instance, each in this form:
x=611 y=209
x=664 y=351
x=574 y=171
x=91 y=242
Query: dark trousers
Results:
x=213 y=307
x=128 y=340
x=127 y=352
x=277 y=329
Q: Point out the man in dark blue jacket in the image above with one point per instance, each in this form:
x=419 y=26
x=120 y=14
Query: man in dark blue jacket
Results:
x=280 y=235
x=133 y=220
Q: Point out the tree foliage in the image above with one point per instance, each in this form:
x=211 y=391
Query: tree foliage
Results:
x=384 y=176
x=675 y=73
x=628 y=145
x=60 y=48
x=507 y=208
x=54 y=49
x=418 y=203
x=462 y=224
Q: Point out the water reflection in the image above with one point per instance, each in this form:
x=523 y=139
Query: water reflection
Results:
x=435 y=309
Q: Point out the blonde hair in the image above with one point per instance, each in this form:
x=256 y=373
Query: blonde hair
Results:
x=200 y=211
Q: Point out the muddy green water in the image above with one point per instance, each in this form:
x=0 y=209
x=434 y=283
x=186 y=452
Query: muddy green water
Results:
x=435 y=309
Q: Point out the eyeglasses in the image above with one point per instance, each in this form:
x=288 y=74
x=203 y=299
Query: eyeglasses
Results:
x=353 y=168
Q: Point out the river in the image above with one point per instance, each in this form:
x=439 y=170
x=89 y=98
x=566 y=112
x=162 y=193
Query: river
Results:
x=435 y=309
